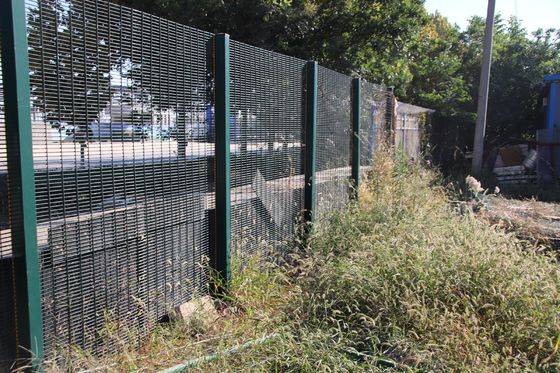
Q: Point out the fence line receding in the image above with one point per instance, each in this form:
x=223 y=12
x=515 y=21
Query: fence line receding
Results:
x=128 y=117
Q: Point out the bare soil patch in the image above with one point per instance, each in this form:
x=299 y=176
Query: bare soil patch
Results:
x=531 y=220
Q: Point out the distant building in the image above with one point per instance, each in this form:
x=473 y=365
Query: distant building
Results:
x=409 y=125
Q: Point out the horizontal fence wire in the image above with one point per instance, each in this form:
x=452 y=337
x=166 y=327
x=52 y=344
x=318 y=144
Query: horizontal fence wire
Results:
x=373 y=108
x=333 y=143
x=123 y=142
x=8 y=286
x=408 y=129
x=266 y=148
x=120 y=120
x=5 y=232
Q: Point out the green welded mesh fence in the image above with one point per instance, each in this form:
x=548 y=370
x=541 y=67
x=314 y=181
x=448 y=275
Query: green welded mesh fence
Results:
x=266 y=148
x=8 y=337
x=124 y=137
x=121 y=166
x=373 y=118
x=334 y=140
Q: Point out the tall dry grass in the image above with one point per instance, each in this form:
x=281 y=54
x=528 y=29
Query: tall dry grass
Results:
x=397 y=281
x=402 y=281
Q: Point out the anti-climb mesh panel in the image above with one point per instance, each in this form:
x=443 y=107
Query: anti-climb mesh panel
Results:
x=334 y=130
x=266 y=148
x=8 y=286
x=409 y=123
x=373 y=116
x=5 y=234
x=121 y=154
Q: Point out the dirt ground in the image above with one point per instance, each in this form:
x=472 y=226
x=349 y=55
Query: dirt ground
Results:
x=535 y=221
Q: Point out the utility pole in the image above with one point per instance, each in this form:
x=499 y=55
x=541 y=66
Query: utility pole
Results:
x=478 y=148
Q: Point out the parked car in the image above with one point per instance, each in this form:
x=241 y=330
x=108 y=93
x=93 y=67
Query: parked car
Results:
x=108 y=131
x=154 y=132
x=114 y=131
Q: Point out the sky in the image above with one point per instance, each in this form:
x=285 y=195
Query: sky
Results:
x=532 y=13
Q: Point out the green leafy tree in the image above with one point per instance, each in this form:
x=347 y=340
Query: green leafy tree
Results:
x=280 y=25
x=448 y=82
x=369 y=38
x=436 y=64
x=517 y=75
x=365 y=37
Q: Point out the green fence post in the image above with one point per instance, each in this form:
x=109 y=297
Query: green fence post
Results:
x=310 y=127
x=222 y=160
x=356 y=86
x=23 y=214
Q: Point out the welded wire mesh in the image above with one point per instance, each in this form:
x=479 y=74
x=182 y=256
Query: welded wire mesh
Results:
x=123 y=141
x=5 y=233
x=8 y=337
x=410 y=121
x=266 y=148
x=373 y=108
x=121 y=153
x=334 y=136
x=8 y=340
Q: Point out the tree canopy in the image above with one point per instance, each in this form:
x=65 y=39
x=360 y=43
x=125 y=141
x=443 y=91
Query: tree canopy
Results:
x=428 y=61
x=520 y=60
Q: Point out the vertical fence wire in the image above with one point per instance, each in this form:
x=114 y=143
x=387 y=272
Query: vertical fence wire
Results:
x=373 y=115
x=123 y=134
x=120 y=119
x=8 y=320
x=334 y=139
x=266 y=147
